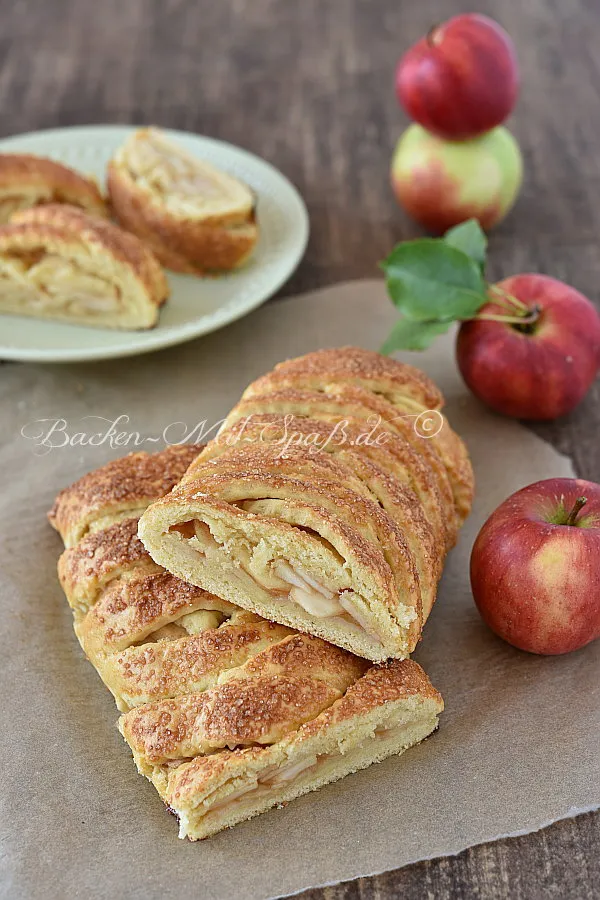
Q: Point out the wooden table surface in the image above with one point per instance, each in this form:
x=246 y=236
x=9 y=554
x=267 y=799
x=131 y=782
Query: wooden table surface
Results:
x=309 y=86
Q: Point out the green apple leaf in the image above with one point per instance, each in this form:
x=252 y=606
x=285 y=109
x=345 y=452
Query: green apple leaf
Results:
x=429 y=280
x=471 y=239
x=408 y=334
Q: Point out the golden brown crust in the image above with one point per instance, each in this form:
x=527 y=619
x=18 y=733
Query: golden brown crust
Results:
x=129 y=610
x=129 y=483
x=166 y=669
x=302 y=654
x=198 y=679
x=85 y=569
x=190 y=241
x=27 y=180
x=339 y=402
x=349 y=441
x=398 y=394
x=352 y=366
x=254 y=711
x=272 y=694
x=381 y=685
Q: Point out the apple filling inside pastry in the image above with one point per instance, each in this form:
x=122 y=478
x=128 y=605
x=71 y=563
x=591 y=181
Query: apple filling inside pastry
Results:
x=48 y=283
x=57 y=262
x=297 y=513
x=185 y=185
x=307 y=578
x=289 y=582
x=196 y=218
x=302 y=762
x=228 y=797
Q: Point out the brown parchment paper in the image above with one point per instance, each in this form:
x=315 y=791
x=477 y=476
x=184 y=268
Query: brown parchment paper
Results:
x=517 y=746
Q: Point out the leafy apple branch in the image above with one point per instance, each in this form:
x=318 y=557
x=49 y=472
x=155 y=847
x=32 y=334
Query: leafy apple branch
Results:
x=434 y=282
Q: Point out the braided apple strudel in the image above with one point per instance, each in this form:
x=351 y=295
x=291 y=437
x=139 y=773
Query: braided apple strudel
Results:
x=227 y=714
x=321 y=504
x=56 y=262
x=197 y=219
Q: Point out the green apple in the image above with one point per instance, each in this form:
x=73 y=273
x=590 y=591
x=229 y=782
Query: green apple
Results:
x=441 y=183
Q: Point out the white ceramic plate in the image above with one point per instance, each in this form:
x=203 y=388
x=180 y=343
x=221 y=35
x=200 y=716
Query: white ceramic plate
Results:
x=197 y=305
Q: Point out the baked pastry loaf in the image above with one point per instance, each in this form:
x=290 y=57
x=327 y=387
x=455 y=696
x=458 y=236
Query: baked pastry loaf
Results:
x=227 y=714
x=56 y=262
x=27 y=180
x=327 y=502
x=197 y=219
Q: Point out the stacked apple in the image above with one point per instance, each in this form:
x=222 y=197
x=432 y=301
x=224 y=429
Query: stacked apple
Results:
x=458 y=83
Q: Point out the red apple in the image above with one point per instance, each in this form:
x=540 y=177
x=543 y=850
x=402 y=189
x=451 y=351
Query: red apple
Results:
x=535 y=568
x=539 y=370
x=442 y=183
x=461 y=79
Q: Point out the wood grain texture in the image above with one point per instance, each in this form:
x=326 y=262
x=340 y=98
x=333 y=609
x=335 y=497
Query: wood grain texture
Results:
x=308 y=86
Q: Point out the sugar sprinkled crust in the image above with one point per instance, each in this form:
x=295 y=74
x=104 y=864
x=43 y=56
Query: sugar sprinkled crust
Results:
x=352 y=366
x=215 y=699
x=131 y=482
x=27 y=180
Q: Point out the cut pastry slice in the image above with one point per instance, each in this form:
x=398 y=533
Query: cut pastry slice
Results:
x=305 y=548
x=376 y=475
x=56 y=262
x=322 y=507
x=268 y=754
x=196 y=219
x=226 y=713
x=27 y=180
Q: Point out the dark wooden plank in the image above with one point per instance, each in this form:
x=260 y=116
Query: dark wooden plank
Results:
x=309 y=87
x=556 y=862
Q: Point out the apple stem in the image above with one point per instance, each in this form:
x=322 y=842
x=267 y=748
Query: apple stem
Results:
x=577 y=507
x=514 y=301
x=433 y=35
x=529 y=319
x=506 y=306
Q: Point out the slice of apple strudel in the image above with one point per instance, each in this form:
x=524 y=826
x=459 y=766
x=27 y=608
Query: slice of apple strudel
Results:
x=27 y=180
x=197 y=219
x=227 y=714
x=56 y=262
x=325 y=503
